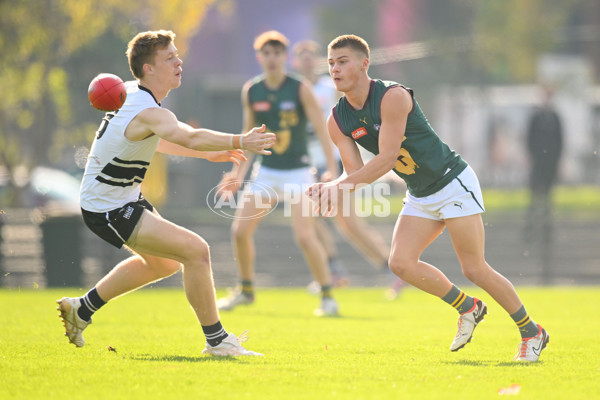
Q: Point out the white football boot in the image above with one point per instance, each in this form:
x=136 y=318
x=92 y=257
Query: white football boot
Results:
x=530 y=348
x=329 y=308
x=467 y=323
x=74 y=325
x=234 y=299
x=231 y=346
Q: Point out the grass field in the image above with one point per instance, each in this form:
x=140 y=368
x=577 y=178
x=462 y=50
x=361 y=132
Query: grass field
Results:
x=377 y=350
x=566 y=199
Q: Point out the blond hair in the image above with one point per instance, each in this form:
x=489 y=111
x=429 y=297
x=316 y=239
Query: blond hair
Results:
x=273 y=38
x=142 y=49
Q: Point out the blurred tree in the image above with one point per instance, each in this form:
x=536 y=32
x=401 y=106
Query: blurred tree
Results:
x=39 y=41
x=494 y=41
x=582 y=36
x=350 y=16
x=510 y=35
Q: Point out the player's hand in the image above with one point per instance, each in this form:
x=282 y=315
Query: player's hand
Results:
x=257 y=140
x=234 y=156
x=326 y=198
x=229 y=185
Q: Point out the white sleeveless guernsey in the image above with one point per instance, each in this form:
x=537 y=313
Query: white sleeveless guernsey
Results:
x=327 y=95
x=116 y=166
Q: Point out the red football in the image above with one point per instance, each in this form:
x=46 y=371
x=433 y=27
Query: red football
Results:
x=107 y=92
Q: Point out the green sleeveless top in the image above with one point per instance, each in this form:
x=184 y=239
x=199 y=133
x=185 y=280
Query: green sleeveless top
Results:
x=282 y=112
x=425 y=162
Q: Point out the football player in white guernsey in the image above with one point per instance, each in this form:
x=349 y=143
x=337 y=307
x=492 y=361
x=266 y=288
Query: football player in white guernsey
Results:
x=114 y=208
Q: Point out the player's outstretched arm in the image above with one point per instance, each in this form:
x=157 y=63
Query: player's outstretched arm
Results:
x=234 y=156
x=163 y=123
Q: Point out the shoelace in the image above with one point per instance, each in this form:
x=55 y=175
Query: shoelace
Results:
x=243 y=337
x=458 y=333
x=522 y=348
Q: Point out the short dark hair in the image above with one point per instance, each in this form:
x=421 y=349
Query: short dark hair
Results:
x=354 y=42
x=273 y=38
x=142 y=49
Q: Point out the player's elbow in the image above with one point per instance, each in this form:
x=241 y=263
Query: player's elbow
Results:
x=388 y=160
x=174 y=135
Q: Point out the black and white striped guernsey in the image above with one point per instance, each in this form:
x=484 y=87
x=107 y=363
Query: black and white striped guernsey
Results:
x=116 y=166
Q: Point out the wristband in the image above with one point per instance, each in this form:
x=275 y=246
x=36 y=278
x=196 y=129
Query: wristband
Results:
x=241 y=142
x=235 y=138
x=231 y=141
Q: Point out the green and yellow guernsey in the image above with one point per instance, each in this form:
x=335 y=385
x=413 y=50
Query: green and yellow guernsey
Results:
x=283 y=114
x=425 y=162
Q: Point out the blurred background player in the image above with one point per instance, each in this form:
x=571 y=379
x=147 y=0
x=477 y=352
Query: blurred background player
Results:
x=443 y=192
x=113 y=206
x=284 y=103
x=369 y=243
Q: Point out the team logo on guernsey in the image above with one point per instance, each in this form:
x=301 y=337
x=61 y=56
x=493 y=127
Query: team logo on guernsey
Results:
x=287 y=105
x=360 y=132
x=376 y=127
x=261 y=106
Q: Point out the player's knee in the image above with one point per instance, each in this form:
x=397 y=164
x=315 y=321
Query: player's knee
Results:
x=196 y=251
x=473 y=273
x=240 y=231
x=202 y=250
x=303 y=238
x=401 y=266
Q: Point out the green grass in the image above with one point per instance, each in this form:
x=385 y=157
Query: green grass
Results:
x=566 y=199
x=377 y=350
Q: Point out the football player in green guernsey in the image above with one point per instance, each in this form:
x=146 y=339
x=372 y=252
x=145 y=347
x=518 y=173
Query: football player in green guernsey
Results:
x=443 y=191
x=284 y=103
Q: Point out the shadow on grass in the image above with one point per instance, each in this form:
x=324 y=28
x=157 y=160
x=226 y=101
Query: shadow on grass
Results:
x=492 y=363
x=470 y=363
x=520 y=364
x=186 y=359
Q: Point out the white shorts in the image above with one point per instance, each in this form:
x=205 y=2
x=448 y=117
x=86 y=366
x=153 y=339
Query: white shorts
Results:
x=284 y=182
x=317 y=155
x=460 y=198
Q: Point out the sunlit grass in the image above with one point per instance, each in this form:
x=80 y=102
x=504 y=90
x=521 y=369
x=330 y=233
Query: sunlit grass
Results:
x=377 y=349
x=565 y=199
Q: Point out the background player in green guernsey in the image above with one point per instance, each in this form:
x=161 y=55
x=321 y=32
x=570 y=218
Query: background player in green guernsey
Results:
x=443 y=191
x=284 y=103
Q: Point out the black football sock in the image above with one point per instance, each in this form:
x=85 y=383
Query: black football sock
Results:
x=214 y=334
x=90 y=303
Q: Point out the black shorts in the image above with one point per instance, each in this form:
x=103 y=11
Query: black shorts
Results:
x=116 y=226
